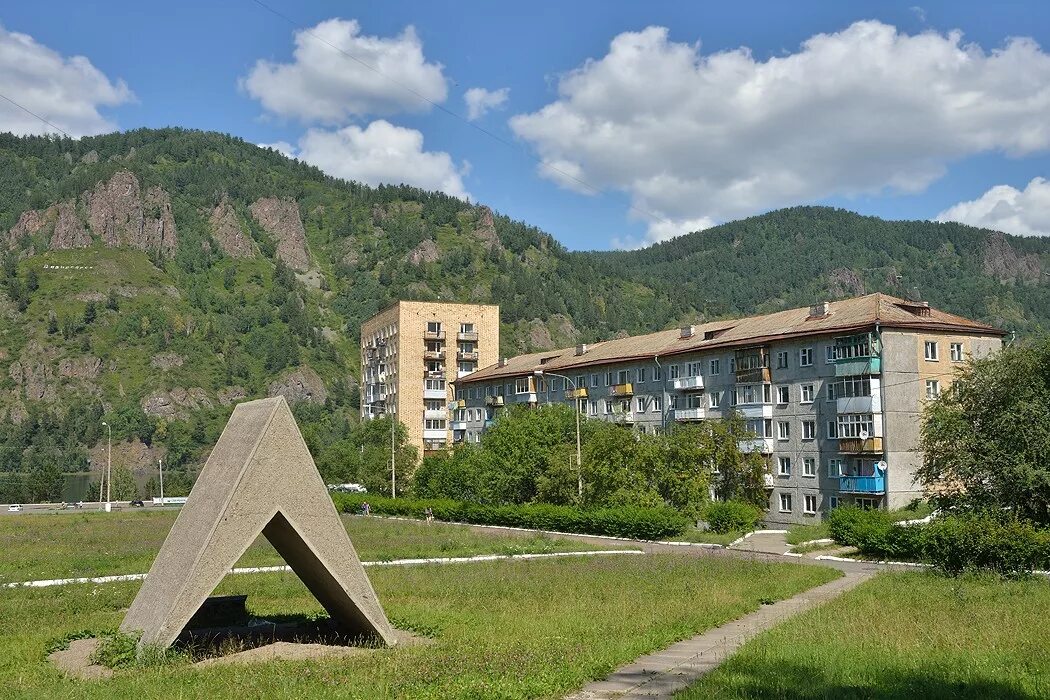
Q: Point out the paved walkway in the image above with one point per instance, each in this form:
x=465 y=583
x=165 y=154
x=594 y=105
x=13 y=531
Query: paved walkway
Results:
x=662 y=674
x=770 y=542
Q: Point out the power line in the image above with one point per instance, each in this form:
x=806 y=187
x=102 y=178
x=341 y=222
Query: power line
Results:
x=456 y=115
x=34 y=114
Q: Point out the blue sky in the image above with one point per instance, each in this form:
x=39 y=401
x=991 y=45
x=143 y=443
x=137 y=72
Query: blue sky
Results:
x=875 y=107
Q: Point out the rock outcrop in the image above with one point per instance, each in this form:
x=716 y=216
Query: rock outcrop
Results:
x=122 y=215
x=69 y=230
x=426 y=252
x=227 y=232
x=85 y=367
x=485 y=228
x=280 y=218
x=35 y=379
x=28 y=224
x=167 y=360
x=175 y=403
x=231 y=395
x=845 y=282
x=1001 y=261
x=302 y=384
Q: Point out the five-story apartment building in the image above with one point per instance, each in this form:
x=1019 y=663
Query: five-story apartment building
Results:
x=832 y=392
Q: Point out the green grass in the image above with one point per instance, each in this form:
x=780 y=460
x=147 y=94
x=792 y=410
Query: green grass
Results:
x=501 y=630
x=797 y=534
x=97 y=544
x=695 y=535
x=901 y=635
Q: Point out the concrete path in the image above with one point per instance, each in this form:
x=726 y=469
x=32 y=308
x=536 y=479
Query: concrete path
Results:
x=662 y=674
x=768 y=541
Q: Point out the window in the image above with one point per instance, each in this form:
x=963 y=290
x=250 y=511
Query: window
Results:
x=856 y=425
x=608 y=379
x=931 y=351
x=466 y=328
x=829 y=354
x=835 y=467
x=805 y=357
x=695 y=369
x=521 y=385
x=833 y=502
x=782 y=359
x=809 y=466
x=641 y=375
x=809 y=430
x=933 y=388
x=849 y=387
x=658 y=374
x=783 y=395
x=867 y=503
x=715 y=366
x=581 y=381
x=732 y=364
x=592 y=408
x=956 y=352
x=433 y=326
x=672 y=371
x=468 y=367
x=658 y=404
x=783 y=466
x=434 y=405
x=767 y=393
x=785 y=503
x=762 y=428
x=715 y=399
x=608 y=407
x=783 y=430
x=833 y=430
x=808 y=393
x=809 y=504
x=594 y=380
x=434 y=384
x=640 y=404
x=623 y=376
x=433 y=424
x=672 y=401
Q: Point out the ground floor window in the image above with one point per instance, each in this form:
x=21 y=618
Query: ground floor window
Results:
x=868 y=503
x=833 y=502
x=809 y=504
x=785 y=503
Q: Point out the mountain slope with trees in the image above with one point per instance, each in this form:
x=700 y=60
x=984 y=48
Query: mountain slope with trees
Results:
x=153 y=278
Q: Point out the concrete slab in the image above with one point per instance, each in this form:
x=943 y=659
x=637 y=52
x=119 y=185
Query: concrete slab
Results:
x=259 y=479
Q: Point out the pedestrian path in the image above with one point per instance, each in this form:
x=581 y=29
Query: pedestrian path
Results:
x=768 y=541
x=663 y=673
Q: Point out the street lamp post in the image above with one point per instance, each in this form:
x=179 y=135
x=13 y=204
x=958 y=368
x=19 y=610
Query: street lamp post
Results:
x=160 y=464
x=579 y=459
x=109 y=466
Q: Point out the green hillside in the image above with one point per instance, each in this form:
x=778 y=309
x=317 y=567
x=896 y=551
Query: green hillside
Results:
x=154 y=278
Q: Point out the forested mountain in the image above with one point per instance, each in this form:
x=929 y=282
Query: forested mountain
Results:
x=155 y=277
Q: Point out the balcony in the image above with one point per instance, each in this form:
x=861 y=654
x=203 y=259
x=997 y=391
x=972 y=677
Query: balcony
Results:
x=525 y=397
x=493 y=400
x=433 y=354
x=622 y=389
x=458 y=425
x=456 y=405
x=467 y=335
x=467 y=356
x=756 y=410
x=688 y=414
x=862 y=484
x=580 y=393
x=760 y=445
x=689 y=384
x=857 y=366
x=768 y=480
x=626 y=417
x=433 y=335
x=432 y=434
x=856 y=446
x=858 y=404
x=435 y=414
x=755 y=375
x=435 y=393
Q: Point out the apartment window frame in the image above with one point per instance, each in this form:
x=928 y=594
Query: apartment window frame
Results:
x=521 y=386
x=933 y=389
x=931 y=351
x=641 y=375
x=782 y=359
x=955 y=352
x=658 y=404
x=809 y=504
x=809 y=430
x=805 y=357
x=783 y=395
x=836 y=467
x=783 y=430
x=785 y=503
x=783 y=466
x=851 y=425
x=715 y=399
x=715 y=367
x=695 y=369
x=658 y=375
x=433 y=326
x=673 y=371
x=465 y=327
x=594 y=381
x=809 y=467
x=808 y=393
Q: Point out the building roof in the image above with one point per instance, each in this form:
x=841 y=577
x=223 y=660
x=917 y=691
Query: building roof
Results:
x=845 y=316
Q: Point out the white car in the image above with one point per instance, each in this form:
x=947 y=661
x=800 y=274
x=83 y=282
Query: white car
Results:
x=14 y=508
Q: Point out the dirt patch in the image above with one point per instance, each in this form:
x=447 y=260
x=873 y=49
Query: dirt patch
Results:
x=304 y=651
x=76 y=660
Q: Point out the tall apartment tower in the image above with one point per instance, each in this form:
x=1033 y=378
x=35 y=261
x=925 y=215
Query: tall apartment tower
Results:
x=412 y=352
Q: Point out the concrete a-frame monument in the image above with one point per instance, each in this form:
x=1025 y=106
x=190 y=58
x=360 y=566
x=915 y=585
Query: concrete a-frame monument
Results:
x=260 y=478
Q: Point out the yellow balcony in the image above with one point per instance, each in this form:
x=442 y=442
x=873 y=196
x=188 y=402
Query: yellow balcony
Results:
x=622 y=389
x=872 y=445
x=580 y=393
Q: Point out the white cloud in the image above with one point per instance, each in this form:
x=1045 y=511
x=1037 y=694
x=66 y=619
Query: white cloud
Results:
x=723 y=135
x=282 y=147
x=481 y=101
x=323 y=84
x=663 y=230
x=67 y=92
x=1004 y=208
x=377 y=154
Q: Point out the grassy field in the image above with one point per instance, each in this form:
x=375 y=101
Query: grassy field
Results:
x=695 y=535
x=902 y=635
x=67 y=545
x=506 y=629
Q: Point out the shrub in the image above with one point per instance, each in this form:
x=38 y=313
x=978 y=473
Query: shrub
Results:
x=732 y=516
x=875 y=533
x=1008 y=546
x=631 y=522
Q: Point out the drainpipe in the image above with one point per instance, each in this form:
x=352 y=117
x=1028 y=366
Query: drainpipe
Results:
x=664 y=400
x=882 y=417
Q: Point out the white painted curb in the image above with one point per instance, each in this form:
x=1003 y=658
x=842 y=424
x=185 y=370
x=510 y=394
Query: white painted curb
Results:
x=47 y=583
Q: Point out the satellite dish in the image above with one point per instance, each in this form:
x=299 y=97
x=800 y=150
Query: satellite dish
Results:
x=881 y=465
x=863 y=434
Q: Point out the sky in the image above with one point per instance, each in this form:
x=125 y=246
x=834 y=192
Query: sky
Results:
x=609 y=124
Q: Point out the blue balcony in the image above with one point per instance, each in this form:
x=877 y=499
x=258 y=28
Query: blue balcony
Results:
x=862 y=484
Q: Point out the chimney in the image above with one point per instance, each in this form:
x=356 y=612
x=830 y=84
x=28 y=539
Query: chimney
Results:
x=502 y=362
x=581 y=349
x=819 y=310
x=687 y=331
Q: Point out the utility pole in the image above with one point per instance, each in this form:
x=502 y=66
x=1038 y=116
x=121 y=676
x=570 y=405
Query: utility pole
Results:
x=393 y=468
x=160 y=463
x=579 y=453
x=109 y=467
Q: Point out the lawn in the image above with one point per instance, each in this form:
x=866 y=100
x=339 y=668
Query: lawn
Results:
x=707 y=536
x=65 y=545
x=510 y=629
x=901 y=635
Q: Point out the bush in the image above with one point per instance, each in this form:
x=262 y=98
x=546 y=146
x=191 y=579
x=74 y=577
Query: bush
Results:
x=631 y=522
x=732 y=516
x=1007 y=546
